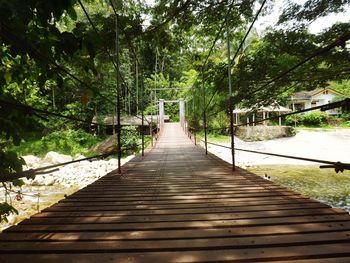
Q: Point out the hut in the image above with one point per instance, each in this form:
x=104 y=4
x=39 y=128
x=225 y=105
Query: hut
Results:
x=149 y=121
x=262 y=112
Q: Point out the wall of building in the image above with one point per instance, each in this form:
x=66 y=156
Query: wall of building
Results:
x=319 y=100
x=322 y=99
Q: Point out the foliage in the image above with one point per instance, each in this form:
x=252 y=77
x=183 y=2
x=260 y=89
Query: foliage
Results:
x=293 y=120
x=5 y=210
x=342 y=86
x=345 y=116
x=68 y=142
x=314 y=118
x=129 y=138
x=219 y=123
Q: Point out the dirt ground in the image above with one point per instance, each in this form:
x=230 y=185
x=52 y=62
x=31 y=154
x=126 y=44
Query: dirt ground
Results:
x=322 y=144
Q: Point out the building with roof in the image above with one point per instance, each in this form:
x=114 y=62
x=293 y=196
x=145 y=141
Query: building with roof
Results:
x=150 y=121
x=317 y=97
x=259 y=112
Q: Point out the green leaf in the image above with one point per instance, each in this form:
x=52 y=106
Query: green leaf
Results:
x=18 y=182
x=8 y=77
x=72 y=14
x=5 y=210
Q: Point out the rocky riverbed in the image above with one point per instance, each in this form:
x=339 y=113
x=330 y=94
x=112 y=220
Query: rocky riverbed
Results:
x=77 y=174
x=47 y=189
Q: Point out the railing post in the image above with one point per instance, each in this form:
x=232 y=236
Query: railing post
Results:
x=142 y=121
x=204 y=118
x=161 y=114
x=118 y=98
x=205 y=131
x=151 y=130
x=231 y=106
x=194 y=135
x=232 y=133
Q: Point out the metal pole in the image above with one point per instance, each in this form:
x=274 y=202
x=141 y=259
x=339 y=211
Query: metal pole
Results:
x=113 y=120
x=194 y=116
x=151 y=125
x=231 y=107
x=232 y=132
x=229 y=60
x=157 y=111
x=137 y=85
x=118 y=97
x=142 y=121
x=205 y=120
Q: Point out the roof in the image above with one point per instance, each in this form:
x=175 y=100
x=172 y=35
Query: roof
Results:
x=274 y=107
x=131 y=120
x=306 y=95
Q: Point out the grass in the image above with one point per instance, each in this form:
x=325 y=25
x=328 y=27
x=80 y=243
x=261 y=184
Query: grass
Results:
x=321 y=184
x=214 y=137
x=70 y=142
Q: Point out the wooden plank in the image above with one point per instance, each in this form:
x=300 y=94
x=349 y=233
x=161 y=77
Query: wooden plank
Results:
x=189 y=217
x=233 y=255
x=179 y=244
x=179 y=211
x=249 y=201
x=180 y=225
x=210 y=232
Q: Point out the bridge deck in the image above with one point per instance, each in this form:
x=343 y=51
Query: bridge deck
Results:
x=178 y=205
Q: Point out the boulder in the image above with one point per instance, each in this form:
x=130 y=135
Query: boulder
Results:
x=38 y=180
x=79 y=156
x=56 y=158
x=31 y=161
x=107 y=146
x=49 y=180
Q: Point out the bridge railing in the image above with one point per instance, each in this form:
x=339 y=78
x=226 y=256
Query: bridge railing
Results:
x=337 y=166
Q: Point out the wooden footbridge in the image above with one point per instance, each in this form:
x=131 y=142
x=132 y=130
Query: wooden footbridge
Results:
x=177 y=204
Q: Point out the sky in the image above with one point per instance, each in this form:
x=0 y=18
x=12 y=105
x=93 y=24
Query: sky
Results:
x=315 y=27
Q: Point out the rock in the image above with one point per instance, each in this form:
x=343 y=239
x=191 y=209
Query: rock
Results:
x=81 y=164
x=79 y=156
x=11 y=219
x=49 y=180
x=38 y=180
x=107 y=146
x=31 y=161
x=27 y=181
x=44 y=164
x=55 y=158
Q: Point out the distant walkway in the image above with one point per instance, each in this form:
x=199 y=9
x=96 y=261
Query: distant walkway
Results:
x=178 y=205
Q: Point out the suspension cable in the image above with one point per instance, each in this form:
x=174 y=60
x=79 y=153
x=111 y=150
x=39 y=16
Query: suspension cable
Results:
x=333 y=105
x=214 y=43
x=31 y=173
x=343 y=103
x=107 y=49
x=30 y=110
x=247 y=33
x=338 y=166
x=232 y=61
x=340 y=41
x=21 y=43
